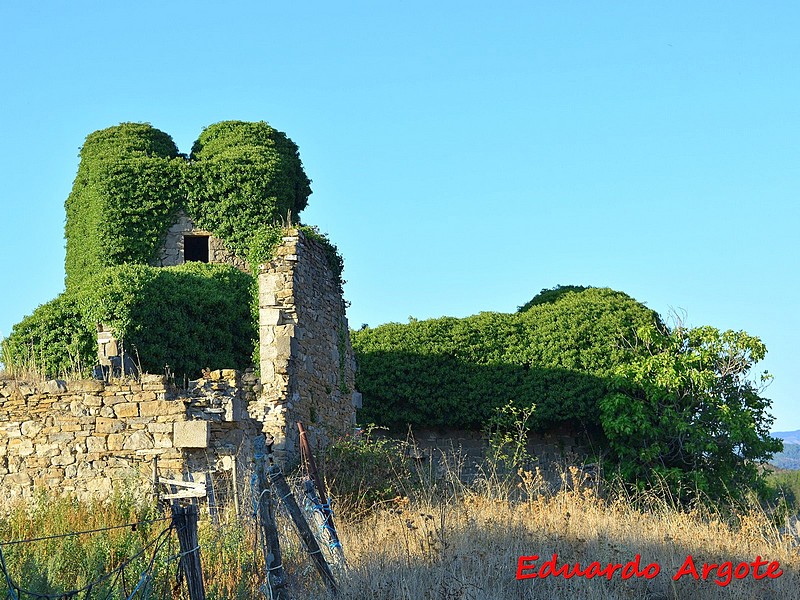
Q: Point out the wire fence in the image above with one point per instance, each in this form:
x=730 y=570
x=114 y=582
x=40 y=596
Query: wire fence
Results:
x=138 y=560
x=153 y=570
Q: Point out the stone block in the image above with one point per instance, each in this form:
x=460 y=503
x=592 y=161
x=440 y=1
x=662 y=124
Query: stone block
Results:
x=25 y=390
x=111 y=398
x=161 y=440
x=20 y=479
x=233 y=410
x=78 y=408
x=61 y=437
x=161 y=407
x=96 y=444
x=192 y=434
x=92 y=400
x=55 y=386
x=63 y=459
x=105 y=425
x=100 y=486
x=269 y=282
x=126 y=409
x=31 y=429
x=114 y=441
x=269 y=317
x=159 y=427
x=25 y=448
x=139 y=440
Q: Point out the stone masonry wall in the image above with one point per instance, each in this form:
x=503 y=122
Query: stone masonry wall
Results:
x=467 y=450
x=171 y=252
x=307 y=363
x=90 y=438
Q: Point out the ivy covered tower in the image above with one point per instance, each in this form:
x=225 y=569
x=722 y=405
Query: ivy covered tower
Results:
x=137 y=200
x=138 y=203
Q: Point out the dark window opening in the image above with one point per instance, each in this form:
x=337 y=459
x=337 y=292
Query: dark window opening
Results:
x=195 y=248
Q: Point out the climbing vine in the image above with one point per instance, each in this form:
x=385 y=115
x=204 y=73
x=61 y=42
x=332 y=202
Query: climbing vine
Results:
x=188 y=317
x=557 y=356
x=243 y=182
x=127 y=192
x=244 y=178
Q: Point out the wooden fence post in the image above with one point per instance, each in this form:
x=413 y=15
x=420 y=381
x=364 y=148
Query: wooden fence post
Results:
x=310 y=542
x=271 y=547
x=185 y=521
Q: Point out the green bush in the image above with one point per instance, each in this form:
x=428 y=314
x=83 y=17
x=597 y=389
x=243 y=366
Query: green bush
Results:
x=189 y=317
x=550 y=295
x=363 y=469
x=56 y=340
x=459 y=372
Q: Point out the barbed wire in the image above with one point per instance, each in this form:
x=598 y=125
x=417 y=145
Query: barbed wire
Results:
x=132 y=526
x=14 y=589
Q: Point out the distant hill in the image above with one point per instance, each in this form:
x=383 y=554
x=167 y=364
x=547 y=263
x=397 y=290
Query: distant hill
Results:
x=790 y=457
x=788 y=437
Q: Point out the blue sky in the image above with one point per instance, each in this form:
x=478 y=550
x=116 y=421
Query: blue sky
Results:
x=462 y=157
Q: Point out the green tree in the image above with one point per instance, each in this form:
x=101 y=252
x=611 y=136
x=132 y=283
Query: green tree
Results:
x=551 y=295
x=688 y=411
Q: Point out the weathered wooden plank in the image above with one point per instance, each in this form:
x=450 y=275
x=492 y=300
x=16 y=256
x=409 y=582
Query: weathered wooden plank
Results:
x=185 y=494
x=179 y=483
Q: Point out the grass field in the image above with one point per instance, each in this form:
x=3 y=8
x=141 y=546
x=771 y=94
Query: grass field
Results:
x=443 y=542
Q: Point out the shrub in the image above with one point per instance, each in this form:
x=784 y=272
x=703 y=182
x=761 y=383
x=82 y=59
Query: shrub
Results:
x=191 y=316
x=459 y=372
x=363 y=469
x=56 y=340
x=551 y=295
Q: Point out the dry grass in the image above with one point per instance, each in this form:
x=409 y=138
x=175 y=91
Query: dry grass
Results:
x=458 y=545
x=468 y=547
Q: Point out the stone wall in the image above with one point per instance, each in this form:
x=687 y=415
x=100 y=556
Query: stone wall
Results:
x=172 y=252
x=90 y=438
x=466 y=451
x=307 y=363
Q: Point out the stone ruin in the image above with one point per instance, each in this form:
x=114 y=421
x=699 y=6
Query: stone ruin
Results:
x=186 y=242
x=91 y=438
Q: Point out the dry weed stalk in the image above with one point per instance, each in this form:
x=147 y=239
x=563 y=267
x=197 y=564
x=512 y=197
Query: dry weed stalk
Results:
x=467 y=546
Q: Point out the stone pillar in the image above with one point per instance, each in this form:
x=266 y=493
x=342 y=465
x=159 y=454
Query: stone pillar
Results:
x=306 y=361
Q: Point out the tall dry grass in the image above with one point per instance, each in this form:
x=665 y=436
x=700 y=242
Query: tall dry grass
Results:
x=467 y=547
x=448 y=541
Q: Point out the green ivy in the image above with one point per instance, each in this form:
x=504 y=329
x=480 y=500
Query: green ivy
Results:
x=127 y=193
x=551 y=295
x=243 y=182
x=188 y=317
x=56 y=340
x=458 y=372
x=244 y=177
